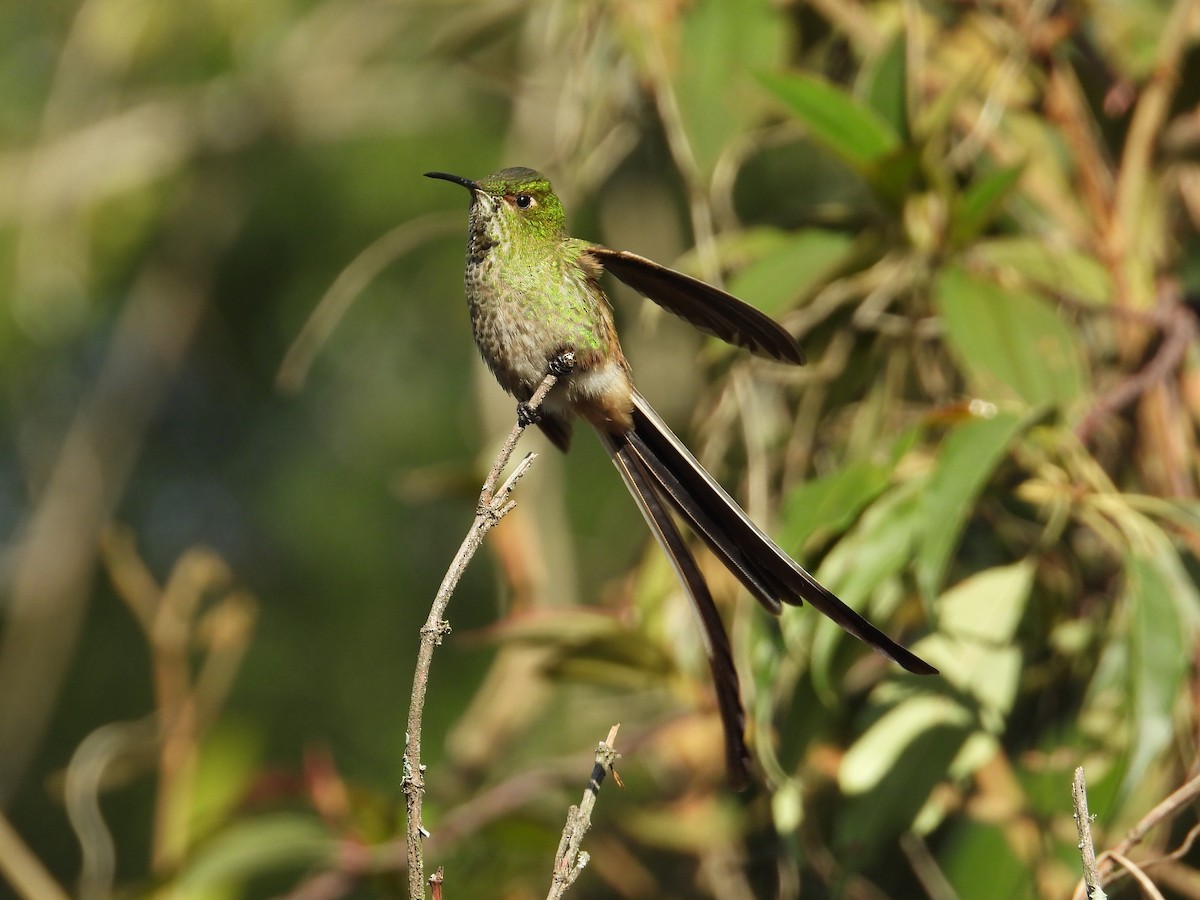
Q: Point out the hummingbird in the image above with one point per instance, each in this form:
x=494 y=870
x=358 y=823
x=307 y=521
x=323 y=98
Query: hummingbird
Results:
x=536 y=306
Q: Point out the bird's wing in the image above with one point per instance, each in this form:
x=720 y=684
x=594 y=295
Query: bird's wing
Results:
x=708 y=308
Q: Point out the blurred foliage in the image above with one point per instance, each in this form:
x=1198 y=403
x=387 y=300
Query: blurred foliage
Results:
x=238 y=453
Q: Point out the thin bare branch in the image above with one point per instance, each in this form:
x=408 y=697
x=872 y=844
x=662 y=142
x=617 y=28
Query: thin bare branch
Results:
x=569 y=861
x=494 y=504
x=1083 y=825
x=1139 y=876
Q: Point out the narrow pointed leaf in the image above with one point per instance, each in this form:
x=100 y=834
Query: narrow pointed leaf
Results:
x=830 y=504
x=1010 y=343
x=1040 y=264
x=1159 y=645
x=786 y=272
x=978 y=206
x=966 y=459
x=852 y=130
x=884 y=83
x=720 y=43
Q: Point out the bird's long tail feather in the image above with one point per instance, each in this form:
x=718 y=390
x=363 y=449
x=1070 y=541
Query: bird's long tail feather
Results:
x=644 y=485
x=766 y=571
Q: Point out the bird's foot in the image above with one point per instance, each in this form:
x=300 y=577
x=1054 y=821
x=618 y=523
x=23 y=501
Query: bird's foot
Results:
x=562 y=364
x=527 y=415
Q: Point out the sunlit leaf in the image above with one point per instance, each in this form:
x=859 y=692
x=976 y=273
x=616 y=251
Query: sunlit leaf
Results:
x=1062 y=269
x=965 y=460
x=890 y=770
x=719 y=43
x=973 y=647
x=874 y=551
x=871 y=759
x=883 y=83
x=978 y=205
x=1010 y=343
x=831 y=503
x=797 y=261
x=1159 y=646
x=987 y=607
x=855 y=132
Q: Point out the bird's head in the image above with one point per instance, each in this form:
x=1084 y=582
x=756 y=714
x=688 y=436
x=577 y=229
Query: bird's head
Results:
x=512 y=203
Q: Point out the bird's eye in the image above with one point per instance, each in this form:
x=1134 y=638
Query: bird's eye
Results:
x=524 y=201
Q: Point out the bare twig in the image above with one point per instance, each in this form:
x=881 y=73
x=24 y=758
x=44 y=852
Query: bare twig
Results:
x=1164 y=811
x=494 y=504
x=1171 y=806
x=1083 y=825
x=1179 y=328
x=1139 y=876
x=1179 y=852
x=569 y=861
x=926 y=867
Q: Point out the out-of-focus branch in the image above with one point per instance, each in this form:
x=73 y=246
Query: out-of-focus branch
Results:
x=346 y=288
x=24 y=871
x=53 y=563
x=1179 y=331
x=1134 y=178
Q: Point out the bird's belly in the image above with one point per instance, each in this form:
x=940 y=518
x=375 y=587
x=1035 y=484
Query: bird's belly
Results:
x=518 y=336
x=520 y=331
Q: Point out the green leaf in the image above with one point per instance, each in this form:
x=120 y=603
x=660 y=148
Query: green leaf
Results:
x=1040 y=264
x=872 y=758
x=988 y=606
x=973 y=646
x=228 y=764
x=830 y=504
x=719 y=43
x=888 y=772
x=893 y=179
x=1011 y=344
x=972 y=847
x=1159 y=649
x=852 y=130
x=965 y=460
x=792 y=266
x=883 y=83
x=977 y=206
x=878 y=548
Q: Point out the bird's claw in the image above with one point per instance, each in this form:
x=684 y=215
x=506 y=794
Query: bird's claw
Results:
x=527 y=415
x=562 y=364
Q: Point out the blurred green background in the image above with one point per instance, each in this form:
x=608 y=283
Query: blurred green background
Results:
x=244 y=428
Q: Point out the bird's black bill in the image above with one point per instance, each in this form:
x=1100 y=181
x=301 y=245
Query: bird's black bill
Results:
x=457 y=179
